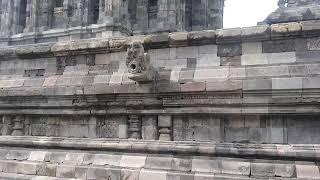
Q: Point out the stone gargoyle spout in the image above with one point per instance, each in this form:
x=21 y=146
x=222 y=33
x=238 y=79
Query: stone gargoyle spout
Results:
x=138 y=63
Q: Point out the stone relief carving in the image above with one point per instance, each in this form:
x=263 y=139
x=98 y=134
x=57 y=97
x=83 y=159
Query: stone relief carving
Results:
x=138 y=63
x=282 y=3
x=314 y=44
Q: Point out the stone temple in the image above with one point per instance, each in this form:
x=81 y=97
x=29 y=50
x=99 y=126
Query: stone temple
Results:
x=157 y=90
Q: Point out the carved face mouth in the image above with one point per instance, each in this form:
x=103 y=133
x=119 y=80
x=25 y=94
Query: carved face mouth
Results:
x=133 y=67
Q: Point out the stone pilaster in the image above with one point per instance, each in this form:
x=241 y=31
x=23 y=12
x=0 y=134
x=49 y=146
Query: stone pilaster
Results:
x=165 y=127
x=142 y=15
x=44 y=15
x=134 y=127
x=123 y=127
x=7 y=18
x=149 y=128
x=7 y=125
x=18 y=126
x=105 y=11
x=60 y=15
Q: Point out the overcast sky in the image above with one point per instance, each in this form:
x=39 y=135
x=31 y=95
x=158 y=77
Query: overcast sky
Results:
x=241 y=13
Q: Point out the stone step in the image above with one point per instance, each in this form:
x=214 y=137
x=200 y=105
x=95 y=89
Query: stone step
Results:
x=163 y=165
x=93 y=164
x=12 y=176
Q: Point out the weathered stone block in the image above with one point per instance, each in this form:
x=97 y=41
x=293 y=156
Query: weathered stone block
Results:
x=204 y=177
x=307 y=171
x=65 y=171
x=46 y=170
x=233 y=167
x=149 y=128
x=227 y=50
x=37 y=156
x=267 y=71
x=261 y=32
x=230 y=61
x=285 y=30
x=133 y=161
x=187 y=52
x=81 y=172
x=74 y=158
x=252 y=48
x=33 y=82
x=237 y=135
x=55 y=157
x=257 y=84
x=254 y=59
x=277 y=58
x=96 y=173
x=107 y=159
x=27 y=168
x=179 y=176
x=311 y=83
x=287 y=83
x=308 y=56
x=206 y=74
x=101 y=79
x=278 y=46
x=257 y=135
x=298 y=70
x=186 y=75
x=10 y=167
x=163 y=163
x=19 y=155
x=193 y=87
x=178 y=39
x=149 y=174
x=182 y=164
x=129 y=174
x=229 y=35
x=285 y=170
x=164 y=121
x=201 y=37
x=206 y=165
x=263 y=169
x=235 y=121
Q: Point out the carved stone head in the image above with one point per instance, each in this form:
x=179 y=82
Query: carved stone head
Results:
x=138 y=63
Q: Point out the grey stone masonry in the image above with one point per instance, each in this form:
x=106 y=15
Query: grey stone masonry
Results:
x=295 y=10
x=82 y=99
x=62 y=20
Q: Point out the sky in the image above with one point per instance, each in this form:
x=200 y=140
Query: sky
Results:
x=242 y=13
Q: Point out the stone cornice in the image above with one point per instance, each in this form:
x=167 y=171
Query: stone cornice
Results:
x=292 y=152
x=177 y=39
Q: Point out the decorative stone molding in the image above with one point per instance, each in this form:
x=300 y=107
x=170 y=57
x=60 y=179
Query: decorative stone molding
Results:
x=138 y=63
x=165 y=127
x=134 y=128
x=18 y=126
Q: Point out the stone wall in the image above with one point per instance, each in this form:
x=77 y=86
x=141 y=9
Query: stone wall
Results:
x=231 y=103
x=35 y=21
x=249 y=85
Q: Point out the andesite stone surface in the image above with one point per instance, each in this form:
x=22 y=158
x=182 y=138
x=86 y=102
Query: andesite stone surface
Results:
x=153 y=89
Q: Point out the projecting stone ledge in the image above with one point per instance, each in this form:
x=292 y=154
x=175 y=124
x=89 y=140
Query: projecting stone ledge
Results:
x=158 y=41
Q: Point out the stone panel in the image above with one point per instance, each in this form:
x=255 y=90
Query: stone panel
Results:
x=227 y=50
x=278 y=46
x=197 y=128
x=108 y=127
